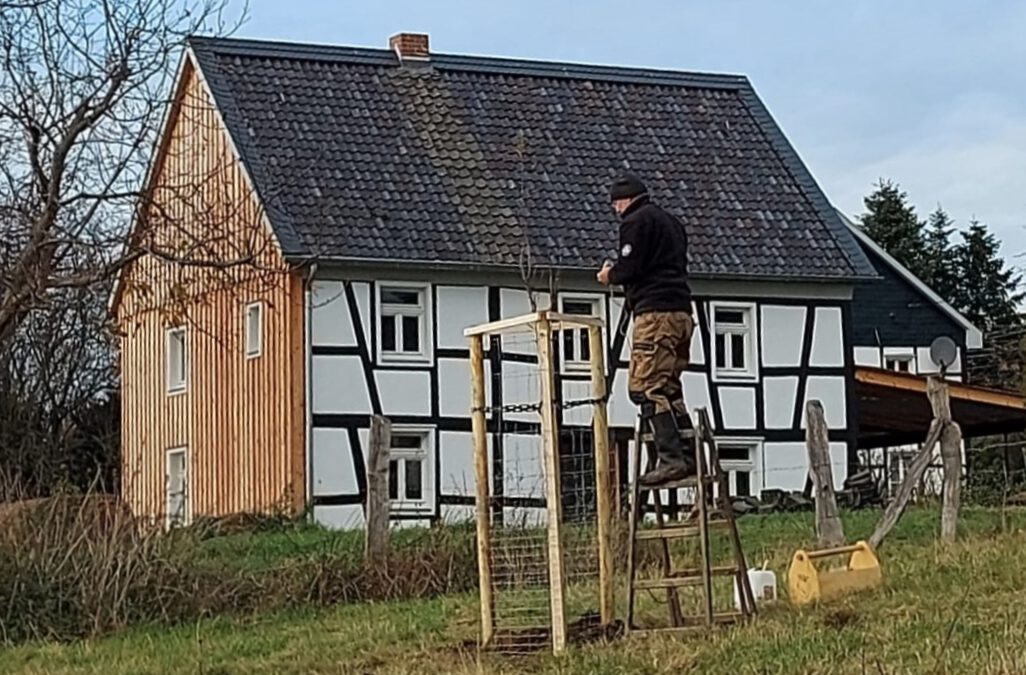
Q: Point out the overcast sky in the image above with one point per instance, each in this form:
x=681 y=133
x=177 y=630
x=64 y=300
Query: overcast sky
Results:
x=929 y=94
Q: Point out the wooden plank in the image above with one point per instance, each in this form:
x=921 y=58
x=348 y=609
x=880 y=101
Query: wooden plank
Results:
x=829 y=529
x=550 y=452
x=482 y=497
x=916 y=383
x=378 y=503
x=702 y=504
x=503 y=325
x=603 y=492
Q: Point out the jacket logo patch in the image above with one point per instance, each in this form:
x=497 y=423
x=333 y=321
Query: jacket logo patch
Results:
x=626 y=250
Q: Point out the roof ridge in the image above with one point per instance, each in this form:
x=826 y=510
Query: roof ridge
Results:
x=470 y=62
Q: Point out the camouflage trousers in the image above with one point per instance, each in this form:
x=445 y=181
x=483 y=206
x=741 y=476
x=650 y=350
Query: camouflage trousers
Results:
x=659 y=356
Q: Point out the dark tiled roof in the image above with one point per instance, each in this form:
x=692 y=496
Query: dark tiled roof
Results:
x=468 y=159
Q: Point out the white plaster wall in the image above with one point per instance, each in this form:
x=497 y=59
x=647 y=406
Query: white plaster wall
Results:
x=459 y=307
x=329 y=315
x=778 y=396
x=696 y=393
x=454 y=386
x=456 y=470
x=348 y=517
x=333 y=470
x=738 y=407
x=785 y=465
x=362 y=292
x=404 y=392
x=867 y=356
x=782 y=330
x=830 y=392
x=339 y=385
x=827 y=338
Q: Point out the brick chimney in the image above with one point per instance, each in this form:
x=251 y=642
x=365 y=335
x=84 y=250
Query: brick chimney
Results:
x=410 y=46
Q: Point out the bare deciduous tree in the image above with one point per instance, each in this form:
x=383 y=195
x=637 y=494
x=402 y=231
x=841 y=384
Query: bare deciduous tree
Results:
x=84 y=87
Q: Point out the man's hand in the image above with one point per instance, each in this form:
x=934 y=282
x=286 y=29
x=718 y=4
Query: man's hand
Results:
x=603 y=274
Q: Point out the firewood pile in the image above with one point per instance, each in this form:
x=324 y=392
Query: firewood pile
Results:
x=860 y=491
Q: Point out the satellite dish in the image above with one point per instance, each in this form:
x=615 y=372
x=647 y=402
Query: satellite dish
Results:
x=943 y=352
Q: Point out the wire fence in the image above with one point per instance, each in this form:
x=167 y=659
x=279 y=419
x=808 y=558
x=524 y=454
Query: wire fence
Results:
x=521 y=565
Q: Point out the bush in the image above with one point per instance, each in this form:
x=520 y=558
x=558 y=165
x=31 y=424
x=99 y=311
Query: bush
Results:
x=80 y=567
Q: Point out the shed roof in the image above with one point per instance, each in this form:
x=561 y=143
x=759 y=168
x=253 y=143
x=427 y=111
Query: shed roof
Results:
x=893 y=408
x=467 y=160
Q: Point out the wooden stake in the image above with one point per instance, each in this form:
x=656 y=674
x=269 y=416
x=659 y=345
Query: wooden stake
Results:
x=829 y=528
x=378 y=503
x=482 y=498
x=915 y=472
x=550 y=451
x=603 y=494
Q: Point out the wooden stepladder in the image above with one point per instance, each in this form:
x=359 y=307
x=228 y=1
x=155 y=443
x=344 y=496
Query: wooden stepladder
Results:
x=712 y=510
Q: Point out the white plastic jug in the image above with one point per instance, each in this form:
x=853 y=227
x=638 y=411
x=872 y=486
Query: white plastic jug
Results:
x=763 y=583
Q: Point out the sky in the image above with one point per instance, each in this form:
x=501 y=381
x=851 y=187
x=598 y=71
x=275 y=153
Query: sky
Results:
x=930 y=95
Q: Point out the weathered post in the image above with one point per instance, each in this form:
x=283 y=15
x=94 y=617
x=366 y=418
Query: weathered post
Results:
x=378 y=504
x=829 y=528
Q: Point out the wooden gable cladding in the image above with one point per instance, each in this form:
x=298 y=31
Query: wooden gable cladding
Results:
x=240 y=419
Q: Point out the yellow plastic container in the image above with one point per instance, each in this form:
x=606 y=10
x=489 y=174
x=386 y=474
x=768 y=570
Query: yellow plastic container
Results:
x=806 y=583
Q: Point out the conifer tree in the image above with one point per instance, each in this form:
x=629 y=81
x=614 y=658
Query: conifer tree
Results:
x=892 y=223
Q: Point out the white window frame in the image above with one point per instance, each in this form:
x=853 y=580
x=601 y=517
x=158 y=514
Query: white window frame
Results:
x=577 y=365
x=424 y=314
x=750 y=373
x=753 y=465
x=426 y=504
x=186 y=520
x=174 y=387
x=248 y=335
x=906 y=354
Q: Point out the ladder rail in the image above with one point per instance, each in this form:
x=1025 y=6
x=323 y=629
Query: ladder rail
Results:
x=712 y=496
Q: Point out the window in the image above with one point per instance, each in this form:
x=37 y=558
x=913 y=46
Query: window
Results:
x=734 y=330
x=177 y=361
x=902 y=363
x=409 y=471
x=177 y=487
x=254 y=330
x=402 y=323
x=574 y=343
x=738 y=459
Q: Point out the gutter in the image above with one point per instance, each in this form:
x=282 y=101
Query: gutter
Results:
x=308 y=386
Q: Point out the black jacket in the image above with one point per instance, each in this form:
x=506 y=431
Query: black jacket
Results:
x=653 y=263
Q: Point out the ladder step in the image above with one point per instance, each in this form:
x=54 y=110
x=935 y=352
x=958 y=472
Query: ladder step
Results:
x=691 y=622
x=676 y=532
x=691 y=482
x=682 y=578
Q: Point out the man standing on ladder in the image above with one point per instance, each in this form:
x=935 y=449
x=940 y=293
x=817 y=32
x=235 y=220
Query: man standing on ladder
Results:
x=652 y=268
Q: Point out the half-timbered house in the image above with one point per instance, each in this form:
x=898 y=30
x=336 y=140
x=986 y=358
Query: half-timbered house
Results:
x=409 y=195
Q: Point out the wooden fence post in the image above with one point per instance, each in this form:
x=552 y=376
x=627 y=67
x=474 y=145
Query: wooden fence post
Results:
x=482 y=499
x=603 y=493
x=951 y=456
x=553 y=487
x=829 y=528
x=378 y=503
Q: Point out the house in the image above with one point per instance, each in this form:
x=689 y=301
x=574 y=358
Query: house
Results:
x=406 y=195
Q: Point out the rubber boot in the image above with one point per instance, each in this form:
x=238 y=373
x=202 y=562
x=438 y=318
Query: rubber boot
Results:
x=674 y=462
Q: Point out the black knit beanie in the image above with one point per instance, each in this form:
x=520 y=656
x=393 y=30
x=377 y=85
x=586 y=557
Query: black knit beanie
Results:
x=625 y=187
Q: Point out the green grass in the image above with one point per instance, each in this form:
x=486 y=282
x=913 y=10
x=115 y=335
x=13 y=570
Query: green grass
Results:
x=958 y=609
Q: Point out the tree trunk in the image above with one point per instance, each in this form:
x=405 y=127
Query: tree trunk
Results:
x=378 y=504
x=829 y=529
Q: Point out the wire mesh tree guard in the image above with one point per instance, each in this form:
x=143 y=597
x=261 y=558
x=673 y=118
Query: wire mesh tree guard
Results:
x=542 y=482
